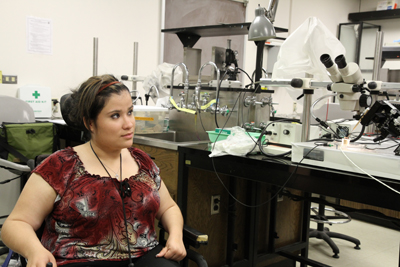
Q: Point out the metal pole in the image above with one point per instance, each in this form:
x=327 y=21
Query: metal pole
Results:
x=135 y=63
x=95 y=55
x=258 y=73
x=377 y=55
x=305 y=130
x=376 y=71
x=259 y=62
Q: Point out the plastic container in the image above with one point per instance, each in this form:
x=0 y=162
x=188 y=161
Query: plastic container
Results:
x=216 y=136
x=149 y=119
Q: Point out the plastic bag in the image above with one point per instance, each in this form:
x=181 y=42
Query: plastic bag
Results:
x=161 y=78
x=239 y=143
x=300 y=53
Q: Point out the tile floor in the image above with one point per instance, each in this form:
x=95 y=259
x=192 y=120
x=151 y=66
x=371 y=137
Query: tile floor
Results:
x=379 y=246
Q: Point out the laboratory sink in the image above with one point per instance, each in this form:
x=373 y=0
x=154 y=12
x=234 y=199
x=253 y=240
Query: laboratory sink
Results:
x=170 y=140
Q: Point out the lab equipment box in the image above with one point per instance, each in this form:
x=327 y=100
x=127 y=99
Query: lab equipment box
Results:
x=354 y=157
x=149 y=119
x=387 y=5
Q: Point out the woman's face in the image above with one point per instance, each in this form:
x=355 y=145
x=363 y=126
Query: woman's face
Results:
x=115 y=123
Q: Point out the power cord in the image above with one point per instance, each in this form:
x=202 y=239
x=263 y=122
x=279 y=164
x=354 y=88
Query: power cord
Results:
x=248 y=76
x=229 y=116
x=383 y=148
x=276 y=193
x=379 y=181
x=266 y=154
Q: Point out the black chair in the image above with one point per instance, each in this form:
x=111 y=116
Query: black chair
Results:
x=191 y=238
x=322 y=232
x=3 y=249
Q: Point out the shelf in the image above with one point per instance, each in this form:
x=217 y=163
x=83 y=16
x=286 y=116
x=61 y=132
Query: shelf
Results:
x=375 y=15
x=228 y=89
x=190 y=35
x=389 y=52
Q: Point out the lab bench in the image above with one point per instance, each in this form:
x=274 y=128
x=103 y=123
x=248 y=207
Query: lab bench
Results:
x=301 y=180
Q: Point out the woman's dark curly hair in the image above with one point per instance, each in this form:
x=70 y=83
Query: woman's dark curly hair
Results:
x=89 y=99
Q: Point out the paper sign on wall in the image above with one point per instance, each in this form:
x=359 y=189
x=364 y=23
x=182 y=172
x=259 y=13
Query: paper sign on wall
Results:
x=39 y=35
x=39 y=98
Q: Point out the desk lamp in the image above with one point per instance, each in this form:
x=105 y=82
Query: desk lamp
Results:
x=261 y=29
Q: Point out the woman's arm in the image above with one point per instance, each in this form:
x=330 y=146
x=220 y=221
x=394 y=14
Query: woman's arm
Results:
x=171 y=218
x=18 y=232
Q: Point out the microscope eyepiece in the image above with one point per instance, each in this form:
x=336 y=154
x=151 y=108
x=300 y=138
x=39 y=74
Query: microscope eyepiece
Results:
x=340 y=61
x=332 y=68
x=326 y=60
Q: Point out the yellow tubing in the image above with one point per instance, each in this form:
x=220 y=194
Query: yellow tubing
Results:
x=181 y=109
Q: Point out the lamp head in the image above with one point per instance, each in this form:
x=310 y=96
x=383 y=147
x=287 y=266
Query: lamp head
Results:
x=261 y=28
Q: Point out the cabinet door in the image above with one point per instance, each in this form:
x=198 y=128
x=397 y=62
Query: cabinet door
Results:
x=359 y=40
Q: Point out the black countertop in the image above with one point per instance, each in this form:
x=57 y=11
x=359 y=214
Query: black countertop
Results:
x=283 y=172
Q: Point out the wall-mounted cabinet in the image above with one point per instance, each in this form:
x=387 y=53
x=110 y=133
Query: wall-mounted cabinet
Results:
x=375 y=15
x=389 y=52
x=359 y=40
x=190 y=35
x=193 y=56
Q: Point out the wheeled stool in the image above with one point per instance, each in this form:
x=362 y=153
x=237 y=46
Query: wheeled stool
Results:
x=323 y=232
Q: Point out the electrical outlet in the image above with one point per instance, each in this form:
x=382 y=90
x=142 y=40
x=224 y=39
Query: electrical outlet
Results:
x=279 y=197
x=10 y=79
x=215 y=204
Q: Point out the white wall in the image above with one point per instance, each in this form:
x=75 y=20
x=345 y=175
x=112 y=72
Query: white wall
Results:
x=117 y=24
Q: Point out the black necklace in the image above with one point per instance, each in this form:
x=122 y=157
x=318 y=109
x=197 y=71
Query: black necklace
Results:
x=125 y=191
x=120 y=163
x=124 y=188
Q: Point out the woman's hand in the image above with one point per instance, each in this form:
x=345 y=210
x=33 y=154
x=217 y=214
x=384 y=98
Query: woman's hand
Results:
x=170 y=216
x=41 y=258
x=173 y=250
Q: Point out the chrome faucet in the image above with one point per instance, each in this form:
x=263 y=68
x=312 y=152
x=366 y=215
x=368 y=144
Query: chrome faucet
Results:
x=198 y=85
x=186 y=83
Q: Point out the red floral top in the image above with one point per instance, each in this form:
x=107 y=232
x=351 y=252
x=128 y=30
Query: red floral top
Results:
x=87 y=221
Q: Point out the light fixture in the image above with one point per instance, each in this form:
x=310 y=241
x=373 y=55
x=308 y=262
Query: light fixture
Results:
x=261 y=28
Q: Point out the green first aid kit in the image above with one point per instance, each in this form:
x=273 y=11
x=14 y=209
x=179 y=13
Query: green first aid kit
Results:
x=22 y=141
